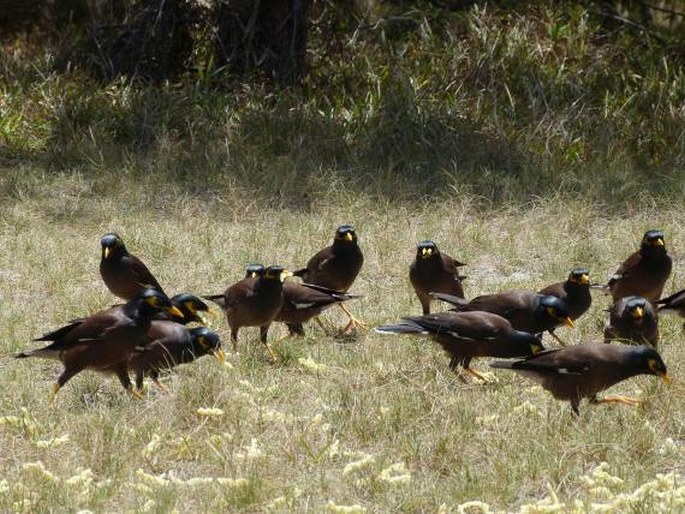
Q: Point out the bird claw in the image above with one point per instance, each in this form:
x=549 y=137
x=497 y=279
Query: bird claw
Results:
x=626 y=400
x=479 y=375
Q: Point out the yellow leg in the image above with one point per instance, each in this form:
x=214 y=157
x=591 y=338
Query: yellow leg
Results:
x=274 y=359
x=353 y=323
x=626 y=400
x=55 y=387
x=557 y=338
x=137 y=395
x=160 y=385
x=478 y=374
x=320 y=323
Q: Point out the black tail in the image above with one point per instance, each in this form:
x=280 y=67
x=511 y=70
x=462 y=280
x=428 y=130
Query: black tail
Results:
x=451 y=299
x=218 y=299
x=404 y=327
x=23 y=355
x=339 y=295
x=503 y=364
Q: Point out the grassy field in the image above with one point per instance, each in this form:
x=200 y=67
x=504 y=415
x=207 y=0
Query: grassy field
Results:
x=342 y=424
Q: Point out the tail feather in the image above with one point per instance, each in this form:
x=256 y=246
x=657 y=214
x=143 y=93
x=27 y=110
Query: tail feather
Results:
x=338 y=295
x=218 y=299
x=451 y=299
x=404 y=327
x=300 y=272
x=600 y=287
x=43 y=353
x=503 y=364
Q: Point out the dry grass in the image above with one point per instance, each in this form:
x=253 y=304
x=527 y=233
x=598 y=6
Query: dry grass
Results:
x=371 y=421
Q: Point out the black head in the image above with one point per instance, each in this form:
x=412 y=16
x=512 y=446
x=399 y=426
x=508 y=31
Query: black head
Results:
x=112 y=246
x=151 y=301
x=205 y=342
x=580 y=276
x=556 y=309
x=345 y=234
x=647 y=360
x=254 y=270
x=189 y=305
x=276 y=273
x=528 y=343
x=426 y=249
x=654 y=239
x=635 y=308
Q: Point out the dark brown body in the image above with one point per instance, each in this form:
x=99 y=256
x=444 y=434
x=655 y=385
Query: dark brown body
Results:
x=582 y=371
x=124 y=274
x=465 y=335
x=336 y=266
x=436 y=273
x=302 y=302
x=575 y=292
x=644 y=273
x=626 y=328
x=526 y=311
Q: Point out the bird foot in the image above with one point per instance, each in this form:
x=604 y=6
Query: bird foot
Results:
x=135 y=393
x=161 y=386
x=353 y=323
x=479 y=375
x=53 y=393
x=626 y=400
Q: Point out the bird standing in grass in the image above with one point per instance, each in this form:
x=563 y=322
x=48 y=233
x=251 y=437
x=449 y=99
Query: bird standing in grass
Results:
x=434 y=272
x=465 y=335
x=124 y=274
x=645 y=272
x=526 y=311
x=574 y=292
x=105 y=340
x=171 y=344
x=336 y=267
x=632 y=319
x=582 y=371
x=254 y=302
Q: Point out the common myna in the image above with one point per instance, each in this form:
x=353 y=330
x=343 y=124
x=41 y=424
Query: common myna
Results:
x=302 y=302
x=171 y=344
x=105 y=340
x=584 y=370
x=434 y=272
x=190 y=306
x=526 y=311
x=124 y=274
x=632 y=320
x=336 y=266
x=254 y=302
x=575 y=292
x=465 y=335
x=645 y=272
x=674 y=303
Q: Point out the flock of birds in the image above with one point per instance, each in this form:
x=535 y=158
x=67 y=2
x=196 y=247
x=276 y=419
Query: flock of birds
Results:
x=148 y=333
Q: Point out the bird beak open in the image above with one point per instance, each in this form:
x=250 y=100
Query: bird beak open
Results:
x=175 y=311
x=568 y=322
x=220 y=356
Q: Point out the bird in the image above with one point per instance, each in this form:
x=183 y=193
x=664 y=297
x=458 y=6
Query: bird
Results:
x=583 y=370
x=190 y=306
x=645 y=272
x=105 y=340
x=171 y=344
x=465 y=335
x=254 y=301
x=526 y=311
x=336 y=267
x=434 y=272
x=302 y=302
x=673 y=304
x=574 y=292
x=124 y=274
x=632 y=319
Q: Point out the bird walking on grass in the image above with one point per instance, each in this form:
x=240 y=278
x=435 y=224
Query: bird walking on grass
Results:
x=124 y=274
x=336 y=267
x=466 y=335
x=582 y=371
x=105 y=340
x=632 y=319
x=645 y=272
x=434 y=272
x=254 y=302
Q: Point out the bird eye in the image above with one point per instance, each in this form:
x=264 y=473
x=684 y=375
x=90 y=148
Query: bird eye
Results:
x=189 y=305
x=551 y=311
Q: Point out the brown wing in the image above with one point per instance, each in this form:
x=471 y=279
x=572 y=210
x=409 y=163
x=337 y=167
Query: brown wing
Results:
x=237 y=293
x=100 y=326
x=625 y=269
x=451 y=265
x=142 y=275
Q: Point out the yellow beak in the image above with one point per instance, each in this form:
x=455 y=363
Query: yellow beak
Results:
x=175 y=311
x=106 y=251
x=585 y=279
x=569 y=322
x=666 y=378
x=659 y=242
x=349 y=237
x=638 y=312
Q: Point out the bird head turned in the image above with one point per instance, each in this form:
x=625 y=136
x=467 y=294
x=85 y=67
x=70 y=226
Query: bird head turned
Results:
x=653 y=239
x=556 y=309
x=150 y=301
x=206 y=341
x=647 y=360
x=190 y=305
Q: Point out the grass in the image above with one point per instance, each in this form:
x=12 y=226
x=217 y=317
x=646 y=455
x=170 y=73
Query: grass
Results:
x=374 y=421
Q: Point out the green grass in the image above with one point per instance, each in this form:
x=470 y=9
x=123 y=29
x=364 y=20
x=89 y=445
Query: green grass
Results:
x=290 y=433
